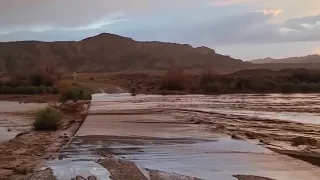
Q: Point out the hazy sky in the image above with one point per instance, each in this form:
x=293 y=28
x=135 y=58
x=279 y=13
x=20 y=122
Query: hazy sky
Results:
x=245 y=29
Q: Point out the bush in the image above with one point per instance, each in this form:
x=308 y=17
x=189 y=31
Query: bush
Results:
x=75 y=93
x=133 y=91
x=48 y=90
x=287 y=88
x=55 y=90
x=42 y=78
x=259 y=86
x=214 y=87
x=17 y=80
x=47 y=119
x=250 y=81
x=174 y=80
x=208 y=77
x=301 y=75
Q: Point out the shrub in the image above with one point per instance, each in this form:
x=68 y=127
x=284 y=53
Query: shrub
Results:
x=214 y=87
x=304 y=87
x=174 y=80
x=33 y=90
x=48 y=90
x=133 y=91
x=259 y=86
x=5 y=89
x=302 y=75
x=42 y=78
x=18 y=80
x=75 y=93
x=315 y=87
x=242 y=83
x=208 y=76
x=47 y=119
x=55 y=90
x=287 y=87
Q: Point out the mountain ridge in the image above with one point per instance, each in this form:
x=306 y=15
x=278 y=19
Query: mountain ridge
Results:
x=314 y=58
x=109 y=53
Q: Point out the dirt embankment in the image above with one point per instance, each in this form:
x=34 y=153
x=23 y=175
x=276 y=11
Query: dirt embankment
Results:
x=22 y=155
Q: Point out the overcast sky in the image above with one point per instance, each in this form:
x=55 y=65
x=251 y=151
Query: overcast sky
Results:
x=245 y=29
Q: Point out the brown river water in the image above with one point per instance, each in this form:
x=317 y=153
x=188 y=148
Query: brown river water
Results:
x=152 y=137
x=188 y=137
x=15 y=118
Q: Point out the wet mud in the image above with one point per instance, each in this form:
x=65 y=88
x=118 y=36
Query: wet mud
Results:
x=23 y=153
x=16 y=118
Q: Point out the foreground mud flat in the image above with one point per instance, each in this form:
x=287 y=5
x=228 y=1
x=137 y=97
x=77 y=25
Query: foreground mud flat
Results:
x=16 y=118
x=189 y=137
x=23 y=150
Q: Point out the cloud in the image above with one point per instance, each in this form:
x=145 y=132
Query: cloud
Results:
x=227 y=2
x=311 y=26
x=285 y=30
x=247 y=27
x=21 y=14
x=185 y=21
x=272 y=12
x=262 y=31
x=317 y=51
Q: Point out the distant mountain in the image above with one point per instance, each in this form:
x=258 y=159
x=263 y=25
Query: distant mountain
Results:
x=291 y=60
x=110 y=53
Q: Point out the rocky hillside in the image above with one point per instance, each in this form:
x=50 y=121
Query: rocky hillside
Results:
x=297 y=60
x=109 y=53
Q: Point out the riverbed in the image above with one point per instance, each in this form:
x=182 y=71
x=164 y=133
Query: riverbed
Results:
x=189 y=137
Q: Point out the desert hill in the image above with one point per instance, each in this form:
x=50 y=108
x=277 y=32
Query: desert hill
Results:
x=296 y=60
x=110 y=53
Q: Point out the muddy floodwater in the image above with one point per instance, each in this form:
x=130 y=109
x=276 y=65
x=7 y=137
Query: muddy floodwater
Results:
x=15 y=118
x=151 y=137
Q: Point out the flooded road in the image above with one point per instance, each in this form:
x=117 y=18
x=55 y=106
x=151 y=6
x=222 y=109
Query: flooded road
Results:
x=188 y=137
